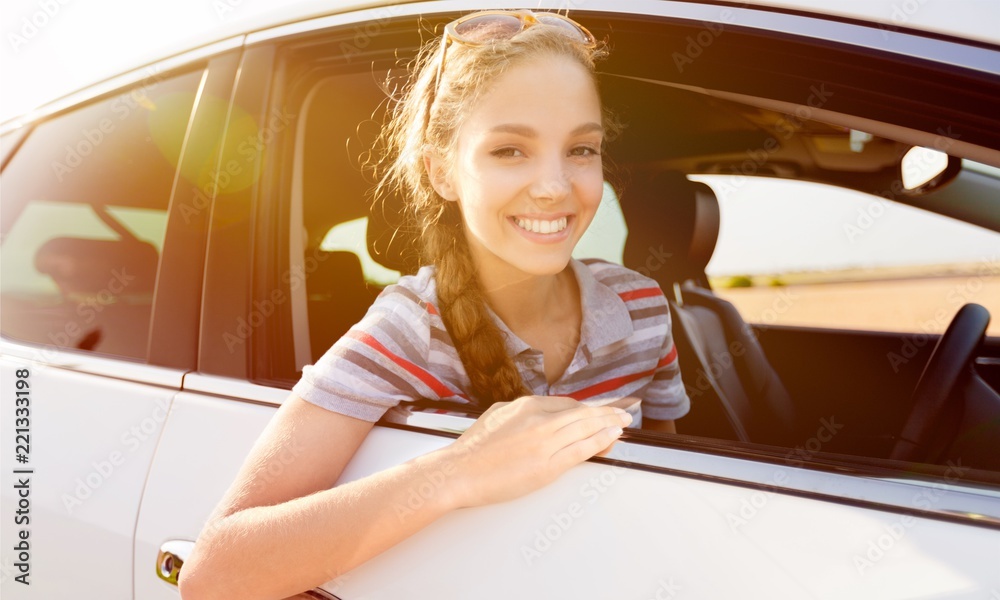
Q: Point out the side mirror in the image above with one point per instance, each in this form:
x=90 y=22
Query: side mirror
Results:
x=923 y=170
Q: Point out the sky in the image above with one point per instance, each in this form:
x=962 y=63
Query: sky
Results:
x=53 y=47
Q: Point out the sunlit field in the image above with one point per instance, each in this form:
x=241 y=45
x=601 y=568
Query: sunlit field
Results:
x=878 y=300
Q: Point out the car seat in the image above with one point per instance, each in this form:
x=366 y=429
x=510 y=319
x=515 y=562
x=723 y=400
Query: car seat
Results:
x=106 y=288
x=334 y=191
x=673 y=226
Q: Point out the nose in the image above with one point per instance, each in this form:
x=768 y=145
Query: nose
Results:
x=552 y=180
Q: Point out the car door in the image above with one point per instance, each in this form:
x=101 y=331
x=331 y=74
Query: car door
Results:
x=216 y=417
x=99 y=315
x=661 y=517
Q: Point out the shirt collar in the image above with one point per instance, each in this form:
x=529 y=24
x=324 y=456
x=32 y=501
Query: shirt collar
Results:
x=606 y=318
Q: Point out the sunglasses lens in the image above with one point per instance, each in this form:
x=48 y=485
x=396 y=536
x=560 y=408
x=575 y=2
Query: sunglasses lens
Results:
x=488 y=27
x=566 y=27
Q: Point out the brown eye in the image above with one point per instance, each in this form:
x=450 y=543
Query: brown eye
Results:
x=507 y=153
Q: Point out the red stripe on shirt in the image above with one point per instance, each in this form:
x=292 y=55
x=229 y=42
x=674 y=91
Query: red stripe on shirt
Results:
x=640 y=293
x=610 y=384
x=669 y=358
x=429 y=380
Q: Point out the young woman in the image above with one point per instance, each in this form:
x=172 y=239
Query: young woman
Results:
x=496 y=146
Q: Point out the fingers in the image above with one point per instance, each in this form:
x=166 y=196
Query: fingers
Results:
x=566 y=419
x=580 y=450
x=556 y=423
x=604 y=453
x=586 y=421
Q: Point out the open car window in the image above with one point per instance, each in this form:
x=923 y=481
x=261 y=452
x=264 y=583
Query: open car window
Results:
x=807 y=254
x=798 y=209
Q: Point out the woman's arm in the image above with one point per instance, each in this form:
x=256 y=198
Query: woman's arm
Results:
x=275 y=535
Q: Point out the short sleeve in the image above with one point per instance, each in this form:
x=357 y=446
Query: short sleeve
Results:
x=380 y=362
x=665 y=398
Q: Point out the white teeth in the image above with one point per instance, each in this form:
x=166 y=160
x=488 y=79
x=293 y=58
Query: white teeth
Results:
x=542 y=226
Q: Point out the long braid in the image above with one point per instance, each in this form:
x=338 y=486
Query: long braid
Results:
x=462 y=303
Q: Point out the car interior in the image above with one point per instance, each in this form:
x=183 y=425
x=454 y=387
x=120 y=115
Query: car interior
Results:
x=781 y=381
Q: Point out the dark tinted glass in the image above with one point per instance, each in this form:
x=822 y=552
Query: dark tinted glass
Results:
x=84 y=216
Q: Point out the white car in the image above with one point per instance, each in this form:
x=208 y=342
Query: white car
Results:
x=180 y=241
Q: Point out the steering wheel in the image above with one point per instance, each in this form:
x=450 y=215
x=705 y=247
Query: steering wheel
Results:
x=951 y=358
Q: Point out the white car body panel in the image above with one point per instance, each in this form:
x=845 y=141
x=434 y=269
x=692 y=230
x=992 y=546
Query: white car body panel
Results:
x=92 y=439
x=655 y=530
x=178 y=500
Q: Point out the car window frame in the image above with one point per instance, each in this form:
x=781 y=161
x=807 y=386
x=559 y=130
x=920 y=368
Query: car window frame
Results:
x=938 y=52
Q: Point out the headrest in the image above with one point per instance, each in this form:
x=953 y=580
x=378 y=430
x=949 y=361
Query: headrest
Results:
x=336 y=127
x=91 y=266
x=334 y=268
x=673 y=225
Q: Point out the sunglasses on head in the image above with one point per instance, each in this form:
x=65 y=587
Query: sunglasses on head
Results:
x=488 y=26
x=481 y=28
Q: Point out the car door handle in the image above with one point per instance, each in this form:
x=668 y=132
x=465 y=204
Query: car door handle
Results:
x=170 y=559
x=173 y=553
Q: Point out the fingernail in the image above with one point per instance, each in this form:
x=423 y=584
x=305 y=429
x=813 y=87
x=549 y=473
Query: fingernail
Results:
x=620 y=411
x=626 y=418
x=617 y=431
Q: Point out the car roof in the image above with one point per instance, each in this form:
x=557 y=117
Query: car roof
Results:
x=969 y=20
x=975 y=21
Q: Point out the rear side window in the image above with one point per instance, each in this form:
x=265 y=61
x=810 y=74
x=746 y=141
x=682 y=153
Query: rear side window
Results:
x=84 y=217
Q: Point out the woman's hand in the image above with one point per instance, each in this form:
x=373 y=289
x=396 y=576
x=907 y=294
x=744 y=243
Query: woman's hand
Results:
x=517 y=447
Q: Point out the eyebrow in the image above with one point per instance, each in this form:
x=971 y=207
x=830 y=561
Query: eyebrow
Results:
x=525 y=131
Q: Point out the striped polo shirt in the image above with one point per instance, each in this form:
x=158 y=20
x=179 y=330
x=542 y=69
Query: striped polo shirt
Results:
x=401 y=351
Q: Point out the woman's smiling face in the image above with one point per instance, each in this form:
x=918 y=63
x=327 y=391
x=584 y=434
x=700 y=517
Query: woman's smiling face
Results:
x=527 y=168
